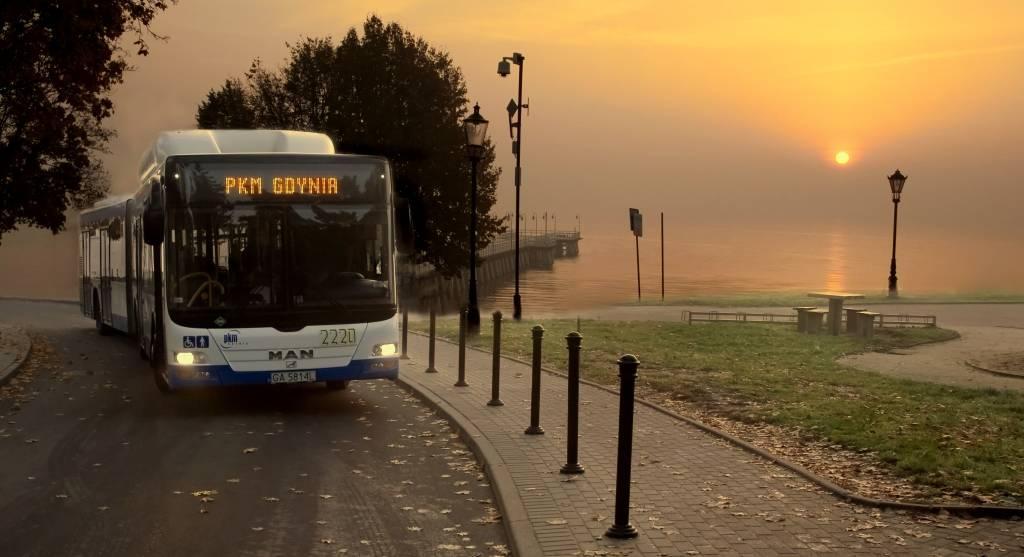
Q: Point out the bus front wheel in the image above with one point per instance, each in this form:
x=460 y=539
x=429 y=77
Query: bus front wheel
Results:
x=158 y=361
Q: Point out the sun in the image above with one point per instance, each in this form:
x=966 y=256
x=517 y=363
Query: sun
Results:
x=842 y=157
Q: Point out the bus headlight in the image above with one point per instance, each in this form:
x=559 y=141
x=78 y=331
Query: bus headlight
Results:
x=189 y=358
x=388 y=349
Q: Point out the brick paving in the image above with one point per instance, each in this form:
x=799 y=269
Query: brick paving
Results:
x=692 y=493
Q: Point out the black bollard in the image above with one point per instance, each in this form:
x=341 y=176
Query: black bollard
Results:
x=535 y=429
x=433 y=335
x=496 y=363
x=405 y=334
x=572 y=460
x=462 y=350
x=622 y=529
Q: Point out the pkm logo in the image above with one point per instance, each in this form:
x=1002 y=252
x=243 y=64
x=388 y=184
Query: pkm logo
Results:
x=230 y=339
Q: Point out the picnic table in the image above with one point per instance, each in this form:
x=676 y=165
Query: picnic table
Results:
x=835 y=307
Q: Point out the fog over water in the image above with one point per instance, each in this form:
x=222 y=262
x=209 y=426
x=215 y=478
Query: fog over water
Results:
x=725 y=259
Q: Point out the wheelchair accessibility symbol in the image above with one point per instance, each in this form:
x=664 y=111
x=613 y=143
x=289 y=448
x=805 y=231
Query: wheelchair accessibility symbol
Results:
x=195 y=341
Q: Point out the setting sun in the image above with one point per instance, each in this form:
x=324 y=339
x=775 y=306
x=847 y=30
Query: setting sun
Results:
x=842 y=157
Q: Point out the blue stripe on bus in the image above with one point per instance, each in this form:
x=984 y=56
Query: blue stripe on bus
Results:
x=214 y=375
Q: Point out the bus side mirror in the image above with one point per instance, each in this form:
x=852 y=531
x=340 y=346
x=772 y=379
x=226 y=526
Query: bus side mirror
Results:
x=153 y=216
x=405 y=233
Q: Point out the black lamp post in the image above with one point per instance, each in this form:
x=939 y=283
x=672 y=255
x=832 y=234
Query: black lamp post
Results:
x=896 y=182
x=476 y=129
x=515 y=108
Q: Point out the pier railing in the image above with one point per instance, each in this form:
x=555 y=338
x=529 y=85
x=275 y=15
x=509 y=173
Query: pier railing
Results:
x=507 y=241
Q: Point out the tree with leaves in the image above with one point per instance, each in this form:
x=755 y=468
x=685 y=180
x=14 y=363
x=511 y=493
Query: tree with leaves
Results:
x=60 y=60
x=385 y=93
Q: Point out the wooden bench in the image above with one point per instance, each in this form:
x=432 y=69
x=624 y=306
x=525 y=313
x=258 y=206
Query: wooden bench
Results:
x=815 y=318
x=867 y=323
x=852 y=321
x=801 y=317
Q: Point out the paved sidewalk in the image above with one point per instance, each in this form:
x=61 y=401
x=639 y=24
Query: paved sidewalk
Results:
x=693 y=493
x=14 y=347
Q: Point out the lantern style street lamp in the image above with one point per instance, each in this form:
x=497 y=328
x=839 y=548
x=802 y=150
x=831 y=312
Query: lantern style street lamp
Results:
x=896 y=182
x=515 y=108
x=476 y=130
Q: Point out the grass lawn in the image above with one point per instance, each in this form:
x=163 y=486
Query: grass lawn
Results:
x=792 y=299
x=938 y=436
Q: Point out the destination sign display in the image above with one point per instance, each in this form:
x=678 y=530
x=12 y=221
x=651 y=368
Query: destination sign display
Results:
x=281 y=185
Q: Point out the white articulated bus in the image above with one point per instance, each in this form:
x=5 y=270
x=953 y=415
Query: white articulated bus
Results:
x=249 y=257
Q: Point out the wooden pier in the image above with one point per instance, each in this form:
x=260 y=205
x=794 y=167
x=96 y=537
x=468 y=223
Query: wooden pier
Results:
x=420 y=286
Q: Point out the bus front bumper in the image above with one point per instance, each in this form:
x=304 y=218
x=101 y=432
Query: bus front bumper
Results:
x=183 y=377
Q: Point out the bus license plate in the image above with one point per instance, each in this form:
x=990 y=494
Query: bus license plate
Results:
x=292 y=377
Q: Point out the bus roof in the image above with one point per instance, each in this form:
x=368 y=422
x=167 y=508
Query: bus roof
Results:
x=212 y=142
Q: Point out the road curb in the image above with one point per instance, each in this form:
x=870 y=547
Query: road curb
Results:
x=985 y=511
x=521 y=534
x=979 y=367
x=11 y=369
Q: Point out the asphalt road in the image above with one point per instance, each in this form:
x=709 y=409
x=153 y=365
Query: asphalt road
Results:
x=95 y=461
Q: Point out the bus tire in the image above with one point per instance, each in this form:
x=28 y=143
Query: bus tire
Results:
x=97 y=314
x=158 y=361
x=337 y=385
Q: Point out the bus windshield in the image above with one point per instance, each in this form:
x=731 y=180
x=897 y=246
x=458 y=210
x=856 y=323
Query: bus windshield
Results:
x=278 y=241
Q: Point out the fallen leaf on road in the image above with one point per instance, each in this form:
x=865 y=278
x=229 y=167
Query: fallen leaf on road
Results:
x=271 y=499
x=249 y=450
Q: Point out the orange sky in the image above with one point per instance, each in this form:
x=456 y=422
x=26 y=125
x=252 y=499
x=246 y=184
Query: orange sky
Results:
x=708 y=111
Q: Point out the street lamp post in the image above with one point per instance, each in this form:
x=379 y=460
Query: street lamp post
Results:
x=896 y=182
x=515 y=108
x=476 y=129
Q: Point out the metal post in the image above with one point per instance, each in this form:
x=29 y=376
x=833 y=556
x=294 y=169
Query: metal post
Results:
x=473 y=318
x=462 y=350
x=637 y=267
x=519 y=59
x=893 y=293
x=621 y=528
x=405 y=334
x=663 y=257
x=572 y=460
x=433 y=335
x=496 y=363
x=535 y=429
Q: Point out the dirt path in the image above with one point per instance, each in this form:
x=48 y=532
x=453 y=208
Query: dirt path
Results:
x=944 y=362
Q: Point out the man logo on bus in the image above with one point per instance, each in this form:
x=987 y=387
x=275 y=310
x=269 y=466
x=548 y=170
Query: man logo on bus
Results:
x=290 y=355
